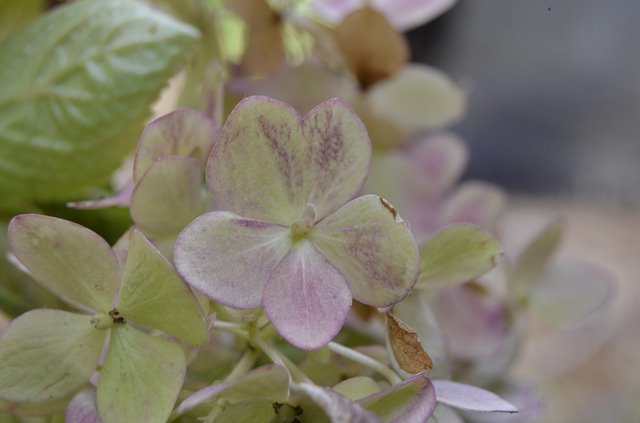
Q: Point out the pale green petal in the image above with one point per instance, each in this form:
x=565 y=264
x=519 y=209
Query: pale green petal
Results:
x=154 y=295
x=183 y=132
x=141 y=377
x=357 y=387
x=417 y=98
x=457 y=254
x=169 y=196
x=368 y=242
x=70 y=260
x=46 y=354
x=270 y=162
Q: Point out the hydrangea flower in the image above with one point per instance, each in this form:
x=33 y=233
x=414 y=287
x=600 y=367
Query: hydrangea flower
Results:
x=48 y=354
x=292 y=242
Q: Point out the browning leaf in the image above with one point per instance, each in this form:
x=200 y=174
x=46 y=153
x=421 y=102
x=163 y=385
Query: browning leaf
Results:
x=407 y=347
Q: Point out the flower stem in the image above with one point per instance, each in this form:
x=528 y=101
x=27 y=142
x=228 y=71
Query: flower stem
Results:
x=243 y=366
x=365 y=360
x=278 y=358
x=235 y=328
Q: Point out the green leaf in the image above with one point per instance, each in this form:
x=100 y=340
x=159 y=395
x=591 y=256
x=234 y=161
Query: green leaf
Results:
x=153 y=294
x=457 y=254
x=46 y=354
x=141 y=377
x=75 y=89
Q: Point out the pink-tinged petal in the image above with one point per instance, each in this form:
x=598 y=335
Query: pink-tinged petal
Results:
x=437 y=163
x=529 y=402
x=335 y=10
x=306 y=298
x=319 y=404
x=417 y=98
x=474 y=202
x=183 y=132
x=467 y=397
x=410 y=401
x=169 y=196
x=83 y=408
x=229 y=258
x=120 y=199
x=267 y=383
x=409 y=14
x=270 y=163
x=69 y=260
x=368 y=242
x=571 y=290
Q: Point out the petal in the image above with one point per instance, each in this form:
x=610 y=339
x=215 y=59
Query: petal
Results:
x=368 y=242
x=229 y=258
x=183 y=132
x=154 y=295
x=335 y=10
x=409 y=14
x=411 y=401
x=444 y=414
x=474 y=202
x=467 y=397
x=417 y=98
x=83 y=408
x=265 y=384
x=169 y=196
x=306 y=298
x=46 y=354
x=407 y=348
x=141 y=377
x=120 y=198
x=357 y=387
x=319 y=403
x=70 y=260
x=270 y=163
x=571 y=290
x=457 y=254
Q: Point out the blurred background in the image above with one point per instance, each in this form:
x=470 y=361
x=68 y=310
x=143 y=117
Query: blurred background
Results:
x=553 y=117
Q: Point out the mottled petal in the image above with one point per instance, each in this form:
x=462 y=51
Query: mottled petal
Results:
x=265 y=384
x=141 y=377
x=154 y=295
x=410 y=401
x=474 y=202
x=70 y=260
x=457 y=254
x=169 y=196
x=417 y=98
x=467 y=397
x=83 y=408
x=229 y=258
x=183 y=132
x=368 y=242
x=270 y=163
x=306 y=298
x=319 y=404
x=46 y=354
x=571 y=290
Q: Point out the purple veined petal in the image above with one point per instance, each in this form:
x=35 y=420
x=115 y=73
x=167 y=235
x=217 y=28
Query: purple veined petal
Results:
x=120 y=198
x=409 y=14
x=270 y=163
x=417 y=98
x=306 y=298
x=569 y=291
x=229 y=258
x=368 y=242
x=474 y=202
x=70 y=260
x=183 y=132
x=467 y=397
x=169 y=196
x=410 y=401
x=268 y=383
x=83 y=408
x=318 y=404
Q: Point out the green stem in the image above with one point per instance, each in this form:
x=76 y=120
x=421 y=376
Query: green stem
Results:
x=365 y=360
x=235 y=328
x=243 y=366
x=277 y=358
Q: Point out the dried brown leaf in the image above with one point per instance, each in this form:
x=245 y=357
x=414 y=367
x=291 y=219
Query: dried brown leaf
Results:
x=407 y=347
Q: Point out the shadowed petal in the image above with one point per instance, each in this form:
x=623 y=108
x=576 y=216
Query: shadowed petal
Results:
x=46 y=354
x=183 y=132
x=70 y=260
x=474 y=202
x=318 y=404
x=467 y=397
x=306 y=298
x=229 y=258
x=169 y=196
x=270 y=163
x=368 y=242
x=83 y=408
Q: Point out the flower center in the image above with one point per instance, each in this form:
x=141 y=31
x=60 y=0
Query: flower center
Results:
x=101 y=321
x=300 y=227
x=286 y=413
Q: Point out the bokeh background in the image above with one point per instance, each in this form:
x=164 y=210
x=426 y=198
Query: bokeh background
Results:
x=554 y=117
